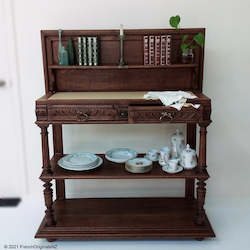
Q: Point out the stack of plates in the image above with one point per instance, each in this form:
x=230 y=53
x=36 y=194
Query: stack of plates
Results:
x=139 y=165
x=80 y=161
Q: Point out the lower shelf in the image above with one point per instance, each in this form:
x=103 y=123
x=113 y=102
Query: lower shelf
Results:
x=124 y=218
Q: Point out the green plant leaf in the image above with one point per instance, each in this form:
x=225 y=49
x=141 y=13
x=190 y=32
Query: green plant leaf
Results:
x=192 y=46
x=174 y=21
x=184 y=38
x=184 y=47
x=200 y=39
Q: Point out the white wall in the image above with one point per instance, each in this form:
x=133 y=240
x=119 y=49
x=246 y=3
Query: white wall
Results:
x=226 y=82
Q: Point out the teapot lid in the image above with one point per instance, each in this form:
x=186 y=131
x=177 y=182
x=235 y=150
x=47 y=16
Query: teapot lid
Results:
x=188 y=149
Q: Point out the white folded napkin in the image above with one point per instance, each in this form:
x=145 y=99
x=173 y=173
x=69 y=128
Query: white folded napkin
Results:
x=175 y=99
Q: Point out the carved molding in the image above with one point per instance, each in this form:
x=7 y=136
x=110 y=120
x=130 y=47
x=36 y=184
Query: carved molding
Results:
x=155 y=116
x=71 y=112
x=41 y=112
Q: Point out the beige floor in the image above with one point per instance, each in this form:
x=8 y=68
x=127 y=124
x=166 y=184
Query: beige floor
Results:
x=230 y=219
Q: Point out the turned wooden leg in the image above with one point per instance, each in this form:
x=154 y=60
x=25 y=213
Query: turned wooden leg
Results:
x=58 y=149
x=48 y=198
x=203 y=146
x=45 y=149
x=191 y=140
x=201 y=194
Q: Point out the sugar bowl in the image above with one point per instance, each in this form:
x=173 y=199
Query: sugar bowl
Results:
x=188 y=158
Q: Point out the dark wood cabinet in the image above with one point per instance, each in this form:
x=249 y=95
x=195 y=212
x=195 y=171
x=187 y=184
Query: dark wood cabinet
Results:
x=109 y=94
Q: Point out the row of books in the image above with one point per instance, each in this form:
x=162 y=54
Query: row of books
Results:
x=87 y=51
x=157 y=50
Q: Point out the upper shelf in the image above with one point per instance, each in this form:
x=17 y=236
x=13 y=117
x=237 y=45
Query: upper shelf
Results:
x=124 y=67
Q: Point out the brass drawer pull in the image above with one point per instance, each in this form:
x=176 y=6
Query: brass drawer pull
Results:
x=81 y=116
x=166 y=116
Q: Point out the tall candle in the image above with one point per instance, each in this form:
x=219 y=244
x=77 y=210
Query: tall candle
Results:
x=121 y=30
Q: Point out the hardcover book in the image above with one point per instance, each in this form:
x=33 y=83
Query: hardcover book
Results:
x=157 y=50
x=151 y=50
x=90 y=50
x=169 y=41
x=163 y=50
x=95 y=51
x=79 y=39
x=146 y=50
x=84 y=51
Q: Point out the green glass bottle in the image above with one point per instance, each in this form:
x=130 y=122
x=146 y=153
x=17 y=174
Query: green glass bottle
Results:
x=63 y=57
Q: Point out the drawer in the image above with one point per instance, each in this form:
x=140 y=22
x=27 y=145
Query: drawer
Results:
x=82 y=113
x=159 y=114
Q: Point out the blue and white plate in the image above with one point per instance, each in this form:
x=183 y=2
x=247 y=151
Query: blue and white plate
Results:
x=97 y=164
x=84 y=159
x=120 y=155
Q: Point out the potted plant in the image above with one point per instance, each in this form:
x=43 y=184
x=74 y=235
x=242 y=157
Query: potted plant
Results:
x=187 y=47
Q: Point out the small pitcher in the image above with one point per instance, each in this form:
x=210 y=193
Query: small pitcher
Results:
x=164 y=155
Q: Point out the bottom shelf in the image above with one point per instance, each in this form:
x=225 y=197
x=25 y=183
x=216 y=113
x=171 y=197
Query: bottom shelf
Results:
x=124 y=218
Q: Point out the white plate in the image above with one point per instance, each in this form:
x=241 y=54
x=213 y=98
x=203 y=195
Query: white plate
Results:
x=80 y=159
x=166 y=169
x=80 y=168
x=120 y=155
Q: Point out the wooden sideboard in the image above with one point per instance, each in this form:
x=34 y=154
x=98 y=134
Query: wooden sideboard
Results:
x=110 y=94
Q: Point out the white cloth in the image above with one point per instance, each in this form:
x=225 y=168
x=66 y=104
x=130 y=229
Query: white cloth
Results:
x=175 y=99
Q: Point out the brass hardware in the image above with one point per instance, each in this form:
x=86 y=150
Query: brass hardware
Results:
x=81 y=116
x=123 y=114
x=166 y=116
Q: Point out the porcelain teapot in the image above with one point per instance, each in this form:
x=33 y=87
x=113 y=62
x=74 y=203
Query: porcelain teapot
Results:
x=177 y=144
x=188 y=158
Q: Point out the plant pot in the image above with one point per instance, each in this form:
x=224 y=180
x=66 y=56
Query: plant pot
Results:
x=188 y=56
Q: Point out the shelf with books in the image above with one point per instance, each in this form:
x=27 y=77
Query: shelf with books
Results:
x=74 y=67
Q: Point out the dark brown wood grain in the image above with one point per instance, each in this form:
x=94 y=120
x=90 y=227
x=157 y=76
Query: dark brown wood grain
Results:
x=132 y=218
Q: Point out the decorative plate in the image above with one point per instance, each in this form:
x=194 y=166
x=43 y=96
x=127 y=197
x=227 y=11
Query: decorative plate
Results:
x=139 y=165
x=120 y=155
x=80 y=159
x=81 y=168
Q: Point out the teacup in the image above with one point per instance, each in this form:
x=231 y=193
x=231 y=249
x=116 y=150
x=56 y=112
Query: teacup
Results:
x=153 y=154
x=173 y=164
x=164 y=155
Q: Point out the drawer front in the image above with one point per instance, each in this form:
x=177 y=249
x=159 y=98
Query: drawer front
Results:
x=156 y=114
x=82 y=113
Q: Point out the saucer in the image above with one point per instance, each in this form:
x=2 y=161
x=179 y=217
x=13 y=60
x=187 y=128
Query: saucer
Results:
x=166 y=169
